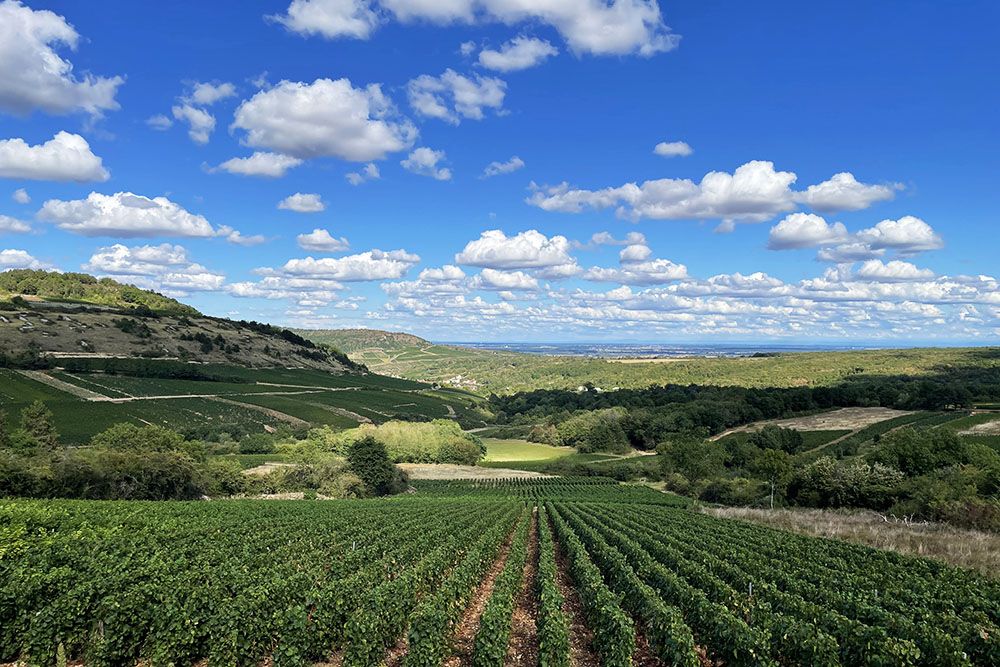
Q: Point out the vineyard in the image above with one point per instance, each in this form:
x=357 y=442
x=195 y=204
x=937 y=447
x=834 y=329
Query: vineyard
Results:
x=604 y=574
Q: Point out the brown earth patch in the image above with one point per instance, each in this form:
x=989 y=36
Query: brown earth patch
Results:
x=523 y=648
x=464 y=639
x=581 y=639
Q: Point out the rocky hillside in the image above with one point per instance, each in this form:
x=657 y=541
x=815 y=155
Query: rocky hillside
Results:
x=53 y=316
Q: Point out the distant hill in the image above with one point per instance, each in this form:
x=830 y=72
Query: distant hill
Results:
x=45 y=316
x=504 y=372
x=82 y=288
x=354 y=340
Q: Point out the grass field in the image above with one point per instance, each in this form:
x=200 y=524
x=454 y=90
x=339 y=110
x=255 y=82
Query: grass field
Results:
x=508 y=451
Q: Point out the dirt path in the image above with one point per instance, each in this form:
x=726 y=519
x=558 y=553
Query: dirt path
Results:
x=464 y=639
x=523 y=648
x=581 y=639
x=56 y=383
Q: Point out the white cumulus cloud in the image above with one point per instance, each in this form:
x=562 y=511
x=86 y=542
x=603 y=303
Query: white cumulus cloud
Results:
x=371 y=265
x=261 y=163
x=805 y=230
x=907 y=235
x=302 y=203
x=34 y=76
x=843 y=192
x=496 y=168
x=526 y=250
x=517 y=54
x=324 y=118
x=672 y=149
x=9 y=225
x=321 y=240
x=369 y=172
x=330 y=18
x=452 y=96
x=21 y=196
x=64 y=157
x=424 y=161
x=125 y=214
x=20 y=259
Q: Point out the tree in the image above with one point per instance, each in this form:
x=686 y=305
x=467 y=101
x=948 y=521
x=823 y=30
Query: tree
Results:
x=369 y=460
x=4 y=433
x=257 y=443
x=36 y=422
x=774 y=466
x=692 y=456
x=133 y=437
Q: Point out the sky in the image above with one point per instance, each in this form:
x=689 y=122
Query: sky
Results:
x=514 y=170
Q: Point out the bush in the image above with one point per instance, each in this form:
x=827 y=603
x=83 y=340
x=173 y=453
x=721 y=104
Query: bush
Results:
x=258 y=443
x=368 y=459
x=438 y=441
x=133 y=437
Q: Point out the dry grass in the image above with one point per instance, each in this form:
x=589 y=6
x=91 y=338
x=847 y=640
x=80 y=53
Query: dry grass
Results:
x=970 y=549
x=453 y=471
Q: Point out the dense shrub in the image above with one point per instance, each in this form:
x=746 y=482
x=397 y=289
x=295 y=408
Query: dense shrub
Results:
x=437 y=441
x=368 y=459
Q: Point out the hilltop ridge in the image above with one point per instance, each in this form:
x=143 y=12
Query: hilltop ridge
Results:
x=46 y=315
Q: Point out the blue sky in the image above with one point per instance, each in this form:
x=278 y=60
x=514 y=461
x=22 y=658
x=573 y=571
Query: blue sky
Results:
x=851 y=151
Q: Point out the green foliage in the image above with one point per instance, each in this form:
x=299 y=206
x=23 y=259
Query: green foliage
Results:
x=553 y=622
x=692 y=456
x=771 y=437
x=83 y=288
x=917 y=452
x=368 y=459
x=36 y=423
x=831 y=483
x=595 y=431
x=438 y=441
x=493 y=634
x=135 y=437
x=258 y=443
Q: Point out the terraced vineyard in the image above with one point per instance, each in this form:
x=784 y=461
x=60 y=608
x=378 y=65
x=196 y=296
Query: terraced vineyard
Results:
x=596 y=572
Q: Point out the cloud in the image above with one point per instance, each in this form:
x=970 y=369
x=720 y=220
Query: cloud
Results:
x=650 y=272
x=237 y=238
x=848 y=253
x=163 y=267
x=893 y=271
x=159 y=122
x=497 y=168
x=330 y=18
x=637 y=252
x=20 y=259
x=673 y=149
x=125 y=214
x=527 y=250
x=844 y=193
x=805 y=230
x=261 y=163
x=371 y=265
x=517 y=54
x=492 y=279
x=369 y=172
x=607 y=238
x=21 y=196
x=755 y=192
x=9 y=225
x=324 y=118
x=201 y=123
x=424 y=161
x=320 y=240
x=620 y=27
x=907 y=235
x=452 y=96
x=34 y=76
x=64 y=157
x=207 y=94
x=302 y=203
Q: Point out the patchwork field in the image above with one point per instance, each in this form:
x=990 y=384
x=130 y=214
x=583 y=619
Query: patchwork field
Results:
x=86 y=403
